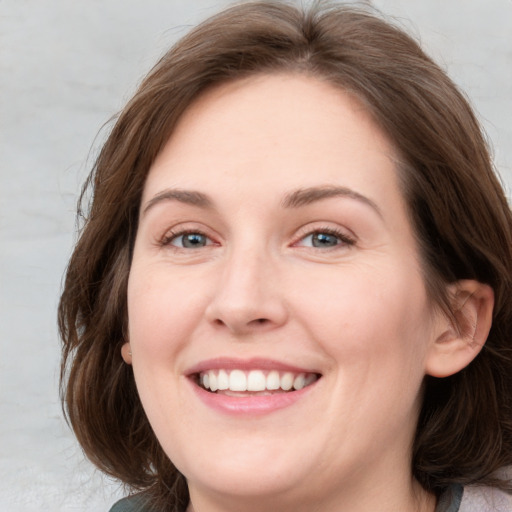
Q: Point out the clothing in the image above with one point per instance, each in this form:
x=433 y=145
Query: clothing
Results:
x=130 y=504
x=455 y=499
x=485 y=499
x=451 y=499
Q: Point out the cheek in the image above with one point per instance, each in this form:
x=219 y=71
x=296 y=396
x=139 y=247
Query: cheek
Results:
x=162 y=314
x=367 y=315
x=161 y=311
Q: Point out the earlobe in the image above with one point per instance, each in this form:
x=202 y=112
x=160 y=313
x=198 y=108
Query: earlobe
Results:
x=460 y=339
x=126 y=353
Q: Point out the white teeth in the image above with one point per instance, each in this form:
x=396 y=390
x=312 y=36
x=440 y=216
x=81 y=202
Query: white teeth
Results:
x=222 y=380
x=310 y=379
x=299 y=381
x=213 y=382
x=237 y=381
x=273 y=380
x=287 y=381
x=255 y=380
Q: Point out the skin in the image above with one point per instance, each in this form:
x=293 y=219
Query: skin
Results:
x=355 y=312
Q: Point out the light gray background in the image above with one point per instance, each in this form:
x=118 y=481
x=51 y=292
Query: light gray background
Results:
x=65 y=68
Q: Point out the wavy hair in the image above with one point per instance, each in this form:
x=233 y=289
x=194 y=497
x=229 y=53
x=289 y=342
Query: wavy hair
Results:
x=457 y=207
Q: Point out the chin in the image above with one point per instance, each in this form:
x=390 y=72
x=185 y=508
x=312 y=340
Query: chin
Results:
x=254 y=471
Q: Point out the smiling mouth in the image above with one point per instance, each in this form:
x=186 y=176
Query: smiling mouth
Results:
x=254 y=382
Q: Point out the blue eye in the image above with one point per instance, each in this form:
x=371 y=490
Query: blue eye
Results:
x=325 y=239
x=190 y=240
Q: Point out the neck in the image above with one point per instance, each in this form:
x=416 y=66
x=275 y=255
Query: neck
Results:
x=377 y=497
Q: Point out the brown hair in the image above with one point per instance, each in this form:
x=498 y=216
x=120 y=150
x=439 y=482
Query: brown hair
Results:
x=458 y=209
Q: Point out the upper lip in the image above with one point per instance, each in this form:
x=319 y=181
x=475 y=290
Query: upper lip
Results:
x=229 y=363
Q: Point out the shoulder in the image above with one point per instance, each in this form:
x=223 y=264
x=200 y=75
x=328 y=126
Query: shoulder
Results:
x=450 y=500
x=485 y=499
x=131 y=504
x=474 y=498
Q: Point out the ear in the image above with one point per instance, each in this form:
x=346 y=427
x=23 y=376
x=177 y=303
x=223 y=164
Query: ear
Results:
x=459 y=339
x=126 y=353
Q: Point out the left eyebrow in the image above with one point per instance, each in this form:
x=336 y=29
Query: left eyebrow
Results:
x=305 y=196
x=182 y=196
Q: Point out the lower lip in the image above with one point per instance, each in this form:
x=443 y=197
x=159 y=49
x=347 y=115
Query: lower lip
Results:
x=250 y=405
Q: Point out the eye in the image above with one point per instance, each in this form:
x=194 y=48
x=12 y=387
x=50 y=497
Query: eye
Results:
x=325 y=239
x=187 y=240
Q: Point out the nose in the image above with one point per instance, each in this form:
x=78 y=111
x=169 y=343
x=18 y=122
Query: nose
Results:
x=249 y=297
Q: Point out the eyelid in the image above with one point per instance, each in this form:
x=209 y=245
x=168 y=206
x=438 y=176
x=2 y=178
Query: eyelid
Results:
x=346 y=236
x=182 y=229
x=172 y=237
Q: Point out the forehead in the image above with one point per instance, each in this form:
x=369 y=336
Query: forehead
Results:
x=274 y=130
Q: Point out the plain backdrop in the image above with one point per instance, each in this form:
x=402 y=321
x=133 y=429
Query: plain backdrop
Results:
x=66 y=67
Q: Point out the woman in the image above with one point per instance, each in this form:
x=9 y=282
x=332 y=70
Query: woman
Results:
x=290 y=292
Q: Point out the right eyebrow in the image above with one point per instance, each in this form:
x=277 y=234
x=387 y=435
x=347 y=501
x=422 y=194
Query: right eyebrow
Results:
x=305 y=196
x=192 y=197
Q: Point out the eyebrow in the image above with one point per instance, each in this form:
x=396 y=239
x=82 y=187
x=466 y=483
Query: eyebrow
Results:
x=305 y=196
x=191 y=197
x=295 y=199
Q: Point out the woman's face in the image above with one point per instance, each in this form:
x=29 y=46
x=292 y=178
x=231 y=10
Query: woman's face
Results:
x=274 y=250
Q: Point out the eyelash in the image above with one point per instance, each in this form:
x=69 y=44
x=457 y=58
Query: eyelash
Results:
x=343 y=239
x=170 y=236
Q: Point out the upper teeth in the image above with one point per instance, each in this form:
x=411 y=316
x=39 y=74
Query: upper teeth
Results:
x=254 y=380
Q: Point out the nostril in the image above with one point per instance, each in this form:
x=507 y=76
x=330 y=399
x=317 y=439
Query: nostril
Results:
x=234 y=325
